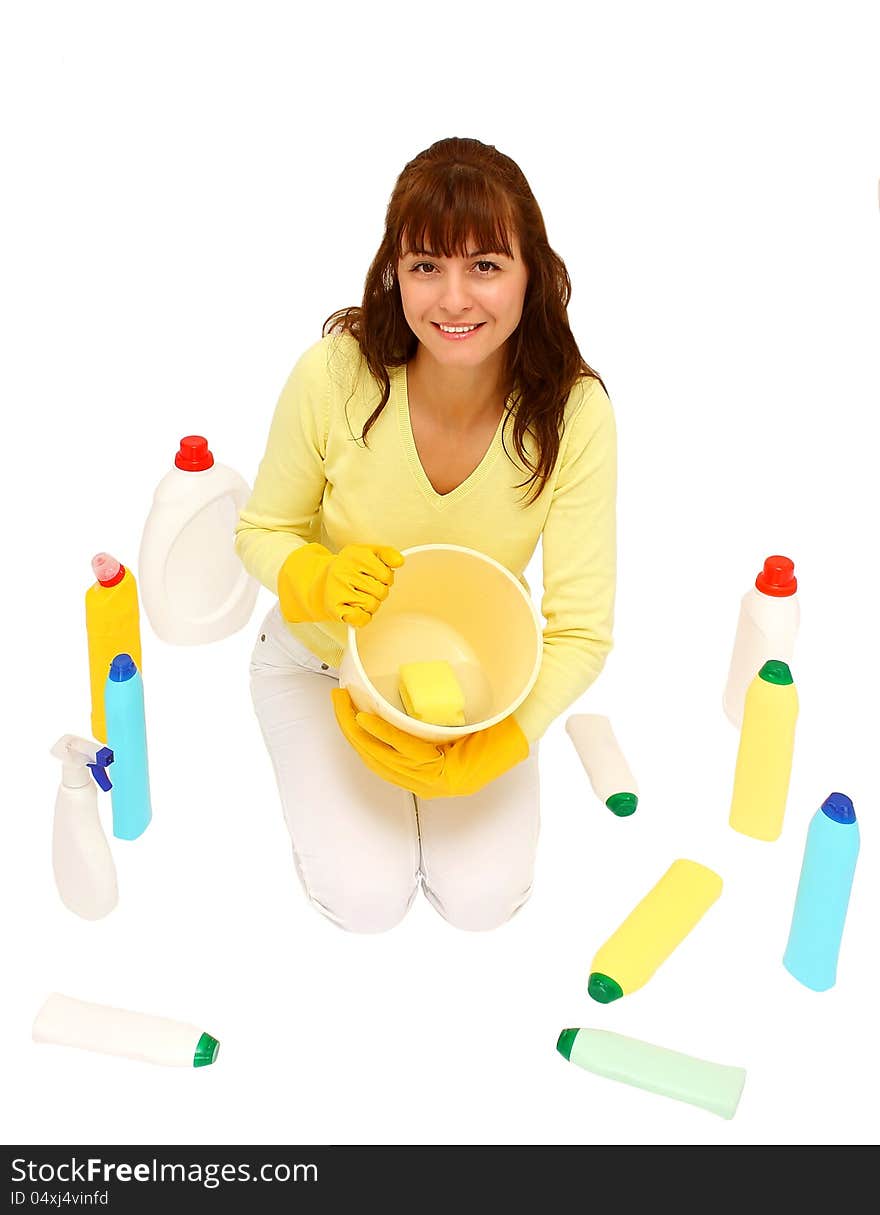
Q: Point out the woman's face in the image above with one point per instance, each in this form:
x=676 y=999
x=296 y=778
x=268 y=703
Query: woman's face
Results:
x=479 y=297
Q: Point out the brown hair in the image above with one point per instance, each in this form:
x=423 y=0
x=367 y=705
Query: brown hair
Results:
x=456 y=191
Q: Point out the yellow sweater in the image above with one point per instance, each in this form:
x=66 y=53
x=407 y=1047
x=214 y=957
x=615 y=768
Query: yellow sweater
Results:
x=316 y=483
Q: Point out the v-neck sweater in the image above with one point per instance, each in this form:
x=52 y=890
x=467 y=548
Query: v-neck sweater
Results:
x=318 y=482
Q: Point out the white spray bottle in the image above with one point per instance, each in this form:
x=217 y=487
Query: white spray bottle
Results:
x=84 y=871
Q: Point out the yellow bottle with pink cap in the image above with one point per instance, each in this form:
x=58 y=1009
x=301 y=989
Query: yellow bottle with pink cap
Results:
x=112 y=627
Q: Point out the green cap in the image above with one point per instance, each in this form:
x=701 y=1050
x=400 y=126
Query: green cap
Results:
x=566 y=1042
x=206 y=1051
x=603 y=989
x=775 y=671
x=622 y=804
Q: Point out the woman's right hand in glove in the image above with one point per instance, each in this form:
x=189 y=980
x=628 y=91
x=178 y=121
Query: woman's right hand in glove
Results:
x=314 y=584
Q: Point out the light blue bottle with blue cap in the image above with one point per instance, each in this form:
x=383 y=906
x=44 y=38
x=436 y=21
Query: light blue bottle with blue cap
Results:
x=126 y=726
x=823 y=894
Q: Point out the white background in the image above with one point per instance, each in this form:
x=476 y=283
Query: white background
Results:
x=190 y=189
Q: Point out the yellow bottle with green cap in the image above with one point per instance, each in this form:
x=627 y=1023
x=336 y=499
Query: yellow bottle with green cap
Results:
x=766 y=747
x=653 y=929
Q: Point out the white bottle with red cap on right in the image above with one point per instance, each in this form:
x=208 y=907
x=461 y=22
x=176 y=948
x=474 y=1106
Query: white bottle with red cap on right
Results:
x=769 y=618
x=193 y=586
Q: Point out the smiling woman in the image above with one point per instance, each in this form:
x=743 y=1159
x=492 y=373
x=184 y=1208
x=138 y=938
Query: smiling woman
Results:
x=474 y=305
x=463 y=221
x=452 y=406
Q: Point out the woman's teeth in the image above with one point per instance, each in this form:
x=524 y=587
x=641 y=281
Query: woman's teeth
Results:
x=457 y=332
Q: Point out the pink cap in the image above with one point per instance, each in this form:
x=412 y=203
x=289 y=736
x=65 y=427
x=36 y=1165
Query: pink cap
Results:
x=107 y=569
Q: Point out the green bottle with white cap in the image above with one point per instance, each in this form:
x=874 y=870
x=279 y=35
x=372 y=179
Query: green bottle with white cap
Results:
x=712 y=1086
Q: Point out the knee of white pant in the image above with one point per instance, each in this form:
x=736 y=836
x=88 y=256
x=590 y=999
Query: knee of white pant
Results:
x=365 y=907
x=479 y=909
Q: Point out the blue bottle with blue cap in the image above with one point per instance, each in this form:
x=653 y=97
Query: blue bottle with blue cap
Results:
x=126 y=727
x=823 y=894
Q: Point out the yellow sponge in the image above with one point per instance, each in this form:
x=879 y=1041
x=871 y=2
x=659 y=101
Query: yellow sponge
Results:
x=431 y=693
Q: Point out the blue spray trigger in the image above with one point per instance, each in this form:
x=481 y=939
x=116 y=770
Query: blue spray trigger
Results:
x=98 y=769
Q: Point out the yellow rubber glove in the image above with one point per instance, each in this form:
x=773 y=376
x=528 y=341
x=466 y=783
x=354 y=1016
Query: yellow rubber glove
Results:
x=453 y=769
x=313 y=584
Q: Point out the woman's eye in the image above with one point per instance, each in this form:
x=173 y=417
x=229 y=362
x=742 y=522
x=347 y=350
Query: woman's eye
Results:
x=425 y=268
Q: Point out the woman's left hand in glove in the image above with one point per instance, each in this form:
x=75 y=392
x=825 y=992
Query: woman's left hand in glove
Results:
x=427 y=769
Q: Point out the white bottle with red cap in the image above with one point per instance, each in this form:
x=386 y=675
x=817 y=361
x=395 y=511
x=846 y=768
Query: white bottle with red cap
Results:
x=769 y=618
x=193 y=586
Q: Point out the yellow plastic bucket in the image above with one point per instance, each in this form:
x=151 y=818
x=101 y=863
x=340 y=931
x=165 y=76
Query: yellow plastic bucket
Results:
x=450 y=604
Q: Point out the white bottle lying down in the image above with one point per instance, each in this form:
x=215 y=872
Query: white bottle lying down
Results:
x=116 y=1031
x=604 y=762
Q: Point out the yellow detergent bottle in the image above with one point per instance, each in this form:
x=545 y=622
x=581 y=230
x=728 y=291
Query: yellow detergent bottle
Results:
x=112 y=627
x=652 y=930
x=766 y=747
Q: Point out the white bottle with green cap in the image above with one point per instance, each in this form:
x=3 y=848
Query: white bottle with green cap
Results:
x=65 y=1021
x=604 y=762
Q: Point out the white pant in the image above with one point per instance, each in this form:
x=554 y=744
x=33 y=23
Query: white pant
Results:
x=361 y=845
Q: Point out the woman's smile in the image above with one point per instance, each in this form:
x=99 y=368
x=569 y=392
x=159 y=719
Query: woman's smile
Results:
x=457 y=333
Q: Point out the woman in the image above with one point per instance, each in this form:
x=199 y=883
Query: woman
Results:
x=452 y=407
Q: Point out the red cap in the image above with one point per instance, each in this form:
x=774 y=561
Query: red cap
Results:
x=193 y=455
x=777 y=577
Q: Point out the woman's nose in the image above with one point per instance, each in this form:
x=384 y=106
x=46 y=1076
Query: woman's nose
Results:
x=455 y=296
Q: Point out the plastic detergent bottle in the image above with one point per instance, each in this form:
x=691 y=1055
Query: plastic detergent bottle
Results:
x=713 y=1086
x=112 y=627
x=829 y=863
x=769 y=618
x=64 y=1021
x=127 y=736
x=84 y=871
x=766 y=749
x=604 y=762
x=653 y=929
x=193 y=585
